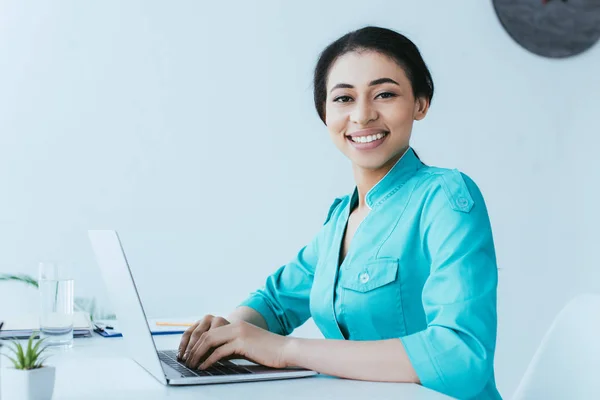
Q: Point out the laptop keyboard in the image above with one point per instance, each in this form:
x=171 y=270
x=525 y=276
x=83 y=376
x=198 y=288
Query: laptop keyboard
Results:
x=169 y=357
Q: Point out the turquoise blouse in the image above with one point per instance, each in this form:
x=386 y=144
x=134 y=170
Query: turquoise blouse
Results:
x=421 y=267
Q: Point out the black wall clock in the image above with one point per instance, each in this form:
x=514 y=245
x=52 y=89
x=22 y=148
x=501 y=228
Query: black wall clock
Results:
x=551 y=28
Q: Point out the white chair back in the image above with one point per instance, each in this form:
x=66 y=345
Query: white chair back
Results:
x=567 y=363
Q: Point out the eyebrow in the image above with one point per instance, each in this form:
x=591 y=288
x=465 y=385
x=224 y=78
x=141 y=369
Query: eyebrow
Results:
x=372 y=83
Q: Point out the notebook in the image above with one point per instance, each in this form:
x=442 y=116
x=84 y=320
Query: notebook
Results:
x=22 y=327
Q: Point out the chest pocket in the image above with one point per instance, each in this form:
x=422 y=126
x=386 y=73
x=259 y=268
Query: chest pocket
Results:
x=372 y=300
x=372 y=275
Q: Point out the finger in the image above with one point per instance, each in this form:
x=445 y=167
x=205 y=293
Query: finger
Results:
x=186 y=338
x=202 y=350
x=203 y=326
x=225 y=351
x=197 y=357
x=209 y=342
x=218 y=321
x=200 y=329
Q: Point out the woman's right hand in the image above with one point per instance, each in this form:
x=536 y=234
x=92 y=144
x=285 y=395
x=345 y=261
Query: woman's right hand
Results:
x=191 y=336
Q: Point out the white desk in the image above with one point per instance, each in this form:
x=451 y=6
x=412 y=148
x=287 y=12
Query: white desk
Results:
x=98 y=368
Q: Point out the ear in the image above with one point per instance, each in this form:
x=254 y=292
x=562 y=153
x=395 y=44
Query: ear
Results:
x=421 y=108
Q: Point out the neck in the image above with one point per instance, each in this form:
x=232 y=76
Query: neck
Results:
x=367 y=178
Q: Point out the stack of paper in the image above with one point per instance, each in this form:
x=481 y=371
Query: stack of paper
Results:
x=23 y=326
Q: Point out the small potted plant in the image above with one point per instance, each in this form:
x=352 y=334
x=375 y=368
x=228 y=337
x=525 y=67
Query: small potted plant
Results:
x=30 y=379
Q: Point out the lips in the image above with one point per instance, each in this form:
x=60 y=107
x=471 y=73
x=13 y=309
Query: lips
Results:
x=367 y=132
x=370 y=145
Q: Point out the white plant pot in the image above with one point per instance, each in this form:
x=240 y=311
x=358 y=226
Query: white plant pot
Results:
x=35 y=384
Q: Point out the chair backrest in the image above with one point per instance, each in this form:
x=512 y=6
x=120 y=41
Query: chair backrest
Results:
x=567 y=363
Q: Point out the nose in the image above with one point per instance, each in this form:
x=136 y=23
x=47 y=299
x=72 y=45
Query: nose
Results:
x=363 y=113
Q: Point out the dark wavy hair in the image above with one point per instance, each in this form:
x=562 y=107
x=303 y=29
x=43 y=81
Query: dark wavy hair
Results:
x=385 y=41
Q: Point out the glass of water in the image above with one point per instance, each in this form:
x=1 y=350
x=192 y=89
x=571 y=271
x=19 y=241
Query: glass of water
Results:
x=56 y=306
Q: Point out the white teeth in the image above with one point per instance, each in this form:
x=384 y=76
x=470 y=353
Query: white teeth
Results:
x=368 y=139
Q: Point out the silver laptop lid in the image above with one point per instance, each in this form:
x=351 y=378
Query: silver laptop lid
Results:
x=125 y=298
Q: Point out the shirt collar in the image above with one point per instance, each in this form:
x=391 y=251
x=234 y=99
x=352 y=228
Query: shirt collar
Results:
x=401 y=172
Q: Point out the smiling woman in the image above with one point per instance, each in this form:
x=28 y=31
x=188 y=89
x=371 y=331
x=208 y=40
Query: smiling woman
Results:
x=400 y=92
x=401 y=279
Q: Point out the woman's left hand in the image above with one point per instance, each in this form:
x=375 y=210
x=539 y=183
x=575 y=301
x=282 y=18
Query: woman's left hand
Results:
x=240 y=339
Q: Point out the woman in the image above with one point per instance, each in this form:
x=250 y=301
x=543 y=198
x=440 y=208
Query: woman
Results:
x=401 y=279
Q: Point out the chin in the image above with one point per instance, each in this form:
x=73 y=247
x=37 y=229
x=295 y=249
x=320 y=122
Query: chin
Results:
x=370 y=164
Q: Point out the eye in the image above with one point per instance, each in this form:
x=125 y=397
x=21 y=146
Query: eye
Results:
x=386 y=95
x=342 y=99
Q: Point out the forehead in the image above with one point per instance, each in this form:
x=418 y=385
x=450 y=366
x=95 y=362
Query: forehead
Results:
x=360 y=68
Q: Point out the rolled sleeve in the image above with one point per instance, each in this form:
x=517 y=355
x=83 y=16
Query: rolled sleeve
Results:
x=455 y=353
x=421 y=360
x=261 y=303
x=284 y=300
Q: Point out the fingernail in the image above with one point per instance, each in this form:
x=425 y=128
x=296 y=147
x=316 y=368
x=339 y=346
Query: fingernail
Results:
x=185 y=356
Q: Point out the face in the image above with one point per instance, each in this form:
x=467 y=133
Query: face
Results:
x=370 y=109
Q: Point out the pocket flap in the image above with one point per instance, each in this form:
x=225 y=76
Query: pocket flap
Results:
x=373 y=274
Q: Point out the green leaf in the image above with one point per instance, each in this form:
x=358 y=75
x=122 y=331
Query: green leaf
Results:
x=20 y=355
x=14 y=350
x=93 y=308
x=40 y=364
x=37 y=345
x=33 y=358
x=20 y=278
x=29 y=342
x=29 y=356
x=17 y=349
x=11 y=359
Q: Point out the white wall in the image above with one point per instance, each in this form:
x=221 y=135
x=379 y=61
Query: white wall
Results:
x=189 y=127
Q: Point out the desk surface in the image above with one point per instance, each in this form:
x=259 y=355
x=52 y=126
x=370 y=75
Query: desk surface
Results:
x=98 y=368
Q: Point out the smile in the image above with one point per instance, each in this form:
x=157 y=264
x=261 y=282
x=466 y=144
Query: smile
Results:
x=367 y=142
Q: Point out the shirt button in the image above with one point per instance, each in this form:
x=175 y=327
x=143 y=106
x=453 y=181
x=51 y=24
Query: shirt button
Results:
x=364 y=277
x=462 y=202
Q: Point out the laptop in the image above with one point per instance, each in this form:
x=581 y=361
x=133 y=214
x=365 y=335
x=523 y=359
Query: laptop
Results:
x=163 y=365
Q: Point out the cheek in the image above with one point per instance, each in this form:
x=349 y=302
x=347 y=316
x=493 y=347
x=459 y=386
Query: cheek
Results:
x=398 y=117
x=335 y=135
x=335 y=120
